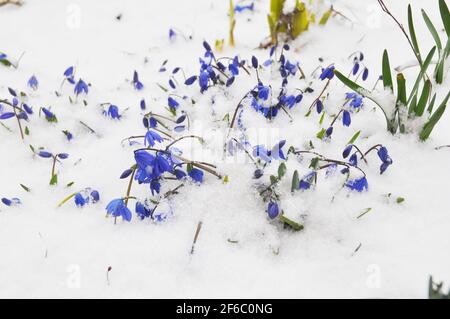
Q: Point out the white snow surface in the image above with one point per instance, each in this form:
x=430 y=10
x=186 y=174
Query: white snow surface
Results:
x=64 y=252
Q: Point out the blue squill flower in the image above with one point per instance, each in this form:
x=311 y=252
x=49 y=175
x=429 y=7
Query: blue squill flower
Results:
x=353 y=160
x=27 y=108
x=6 y=115
x=172 y=34
x=143 y=210
x=113 y=112
x=385 y=159
x=11 y=202
x=356 y=100
x=365 y=74
x=355 y=68
x=173 y=104
x=151 y=137
x=347 y=150
x=45 y=154
x=117 y=208
x=68 y=72
x=272 y=210
x=196 y=175
x=277 y=151
x=346 y=118
x=136 y=83
x=241 y=8
x=68 y=135
x=33 y=83
x=81 y=87
x=261 y=152
x=359 y=184
x=190 y=80
x=155 y=186
x=307 y=180
x=80 y=201
x=327 y=73
x=319 y=106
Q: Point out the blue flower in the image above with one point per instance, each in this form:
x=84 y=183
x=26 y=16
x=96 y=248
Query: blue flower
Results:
x=11 y=202
x=365 y=74
x=190 y=80
x=263 y=92
x=261 y=152
x=241 y=8
x=95 y=196
x=81 y=87
x=329 y=131
x=277 y=151
x=117 y=208
x=359 y=184
x=353 y=160
x=6 y=115
x=142 y=104
x=173 y=104
x=327 y=73
x=151 y=137
x=136 y=83
x=196 y=175
x=319 y=106
x=347 y=150
x=346 y=118
x=355 y=68
x=272 y=210
x=33 y=83
x=172 y=34
x=113 y=112
x=12 y=92
x=356 y=100
x=68 y=135
x=143 y=211
x=80 y=201
x=62 y=155
x=307 y=180
x=68 y=72
x=45 y=154
x=385 y=159
x=155 y=186
x=27 y=108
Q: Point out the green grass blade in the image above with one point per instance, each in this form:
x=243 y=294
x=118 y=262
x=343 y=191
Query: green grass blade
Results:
x=420 y=108
x=445 y=15
x=401 y=90
x=431 y=105
x=386 y=72
x=429 y=126
x=432 y=30
x=354 y=138
x=413 y=105
x=412 y=34
x=422 y=72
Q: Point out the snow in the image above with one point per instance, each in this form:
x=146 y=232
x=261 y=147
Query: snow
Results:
x=65 y=252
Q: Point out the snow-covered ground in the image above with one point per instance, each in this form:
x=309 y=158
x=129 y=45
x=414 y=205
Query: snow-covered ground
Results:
x=65 y=252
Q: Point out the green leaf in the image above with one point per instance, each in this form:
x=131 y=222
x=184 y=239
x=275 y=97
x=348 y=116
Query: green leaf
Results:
x=412 y=33
x=70 y=184
x=27 y=130
x=445 y=15
x=300 y=19
x=65 y=200
x=422 y=72
x=26 y=188
x=401 y=90
x=54 y=180
x=431 y=105
x=189 y=167
x=322 y=118
x=325 y=17
x=321 y=134
x=413 y=105
x=273 y=179
x=432 y=30
x=386 y=69
x=295 y=182
x=281 y=170
x=429 y=126
x=354 y=138
x=400 y=200
x=420 y=108
x=314 y=163
x=289 y=222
